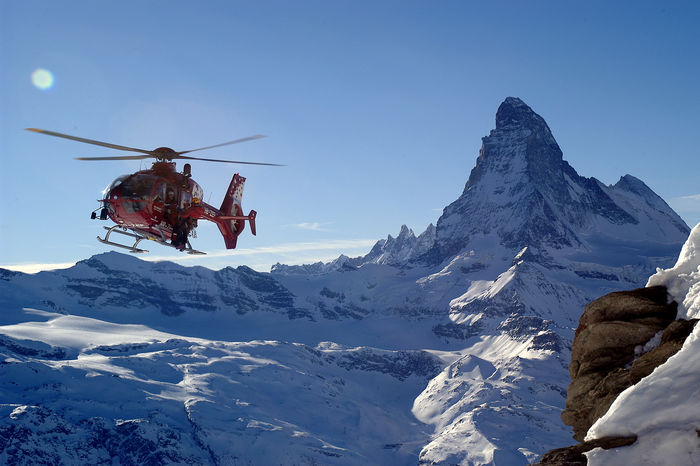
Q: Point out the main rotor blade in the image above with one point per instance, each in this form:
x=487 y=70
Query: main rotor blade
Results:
x=227 y=161
x=249 y=138
x=118 y=157
x=88 y=141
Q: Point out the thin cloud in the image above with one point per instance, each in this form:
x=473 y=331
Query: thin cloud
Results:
x=688 y=207
x=310 y=226
x=34 y=268
x=686 y=203
x=303 y=247
x=303 y=252
x=262 y=258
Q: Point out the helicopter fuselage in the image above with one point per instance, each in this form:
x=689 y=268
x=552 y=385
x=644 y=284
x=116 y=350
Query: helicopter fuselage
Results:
x=152 y=199
x=161 y=203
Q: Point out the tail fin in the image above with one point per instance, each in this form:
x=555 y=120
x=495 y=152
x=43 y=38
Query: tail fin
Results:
x=231 y=206
x=232 y=221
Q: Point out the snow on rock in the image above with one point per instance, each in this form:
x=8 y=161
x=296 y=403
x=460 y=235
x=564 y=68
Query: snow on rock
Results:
x=403 y=249
x=662 y=409
x=683 y=279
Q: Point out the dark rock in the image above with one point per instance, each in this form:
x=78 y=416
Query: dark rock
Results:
x=588 y=401
x=678 y=331
x=574 y=455
x=629 y=306
x=605 y=355
x=399 y=364
x=7 y=275
x=457 y=331
x=597 y=275
x=607 y=345
x=547 y=341
x=672 y=340
x=31 y=348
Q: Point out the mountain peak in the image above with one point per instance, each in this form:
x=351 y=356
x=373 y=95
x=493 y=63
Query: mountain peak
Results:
x=523 y=192
x=521 y=141
x=513 y=112
x=405 y=232
x=111 y=260
x=633 y=184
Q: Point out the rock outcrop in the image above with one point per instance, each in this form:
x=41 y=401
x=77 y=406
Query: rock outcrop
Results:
x=574 y=455
x=621 y=338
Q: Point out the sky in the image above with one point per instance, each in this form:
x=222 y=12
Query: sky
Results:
x=376 y=109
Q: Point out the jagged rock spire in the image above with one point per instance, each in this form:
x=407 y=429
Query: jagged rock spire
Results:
x=519 y=130
x=514 y=112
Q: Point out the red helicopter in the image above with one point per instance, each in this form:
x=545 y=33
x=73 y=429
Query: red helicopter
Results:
x=163 y=205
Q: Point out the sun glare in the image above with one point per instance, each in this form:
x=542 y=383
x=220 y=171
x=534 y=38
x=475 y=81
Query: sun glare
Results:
x=42 y=79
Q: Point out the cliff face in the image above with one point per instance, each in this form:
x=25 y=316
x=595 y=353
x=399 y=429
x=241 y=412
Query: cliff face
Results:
x=621 y=338
x=609 y=340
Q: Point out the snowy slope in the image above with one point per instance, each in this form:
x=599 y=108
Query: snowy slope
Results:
x=463 y=331
x=662 y=409
x=147 y=397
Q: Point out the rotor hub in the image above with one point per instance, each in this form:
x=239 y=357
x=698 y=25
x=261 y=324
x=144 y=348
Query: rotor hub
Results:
x=164 y=153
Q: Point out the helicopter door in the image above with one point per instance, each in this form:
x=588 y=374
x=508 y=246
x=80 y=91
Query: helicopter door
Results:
x=185 y=200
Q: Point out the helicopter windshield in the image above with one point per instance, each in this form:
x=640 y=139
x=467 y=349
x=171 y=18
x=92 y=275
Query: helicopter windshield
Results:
x=138 y=187
x=135 y=191
x=114 y=184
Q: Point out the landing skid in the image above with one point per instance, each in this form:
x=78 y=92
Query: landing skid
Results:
x=140 y=236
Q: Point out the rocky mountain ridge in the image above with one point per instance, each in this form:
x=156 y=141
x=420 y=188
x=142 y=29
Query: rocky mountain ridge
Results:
x=524 y=194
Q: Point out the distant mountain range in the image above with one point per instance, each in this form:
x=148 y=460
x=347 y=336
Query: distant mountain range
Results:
x=447 y=347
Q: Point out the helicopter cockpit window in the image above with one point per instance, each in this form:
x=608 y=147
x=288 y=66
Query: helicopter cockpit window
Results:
x=138 y=187
x=135 y=191
x=114 y=184
x=185 y=200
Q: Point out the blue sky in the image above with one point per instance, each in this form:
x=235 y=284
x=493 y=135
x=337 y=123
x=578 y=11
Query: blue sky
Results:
x=376 y=108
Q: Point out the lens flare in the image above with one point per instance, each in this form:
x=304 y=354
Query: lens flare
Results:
x=42 y=79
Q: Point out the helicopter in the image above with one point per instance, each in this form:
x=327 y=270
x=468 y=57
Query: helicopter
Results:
x=163 y=205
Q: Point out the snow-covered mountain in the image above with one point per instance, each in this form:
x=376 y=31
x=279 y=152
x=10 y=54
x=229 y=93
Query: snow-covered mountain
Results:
x=524 y=193
x=447 y=347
